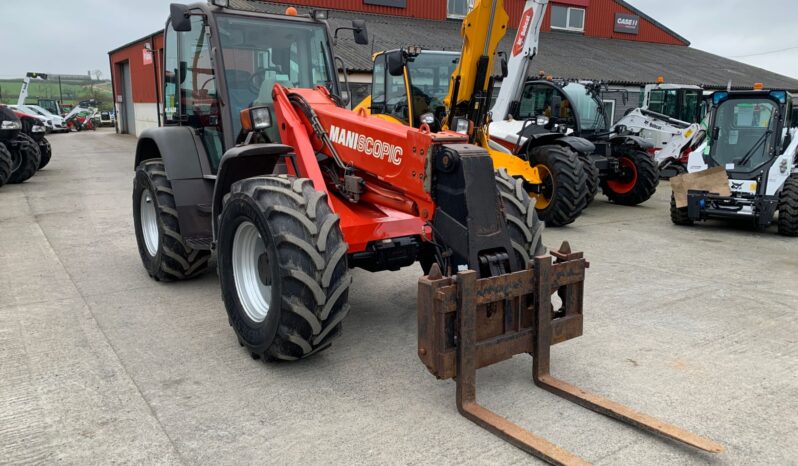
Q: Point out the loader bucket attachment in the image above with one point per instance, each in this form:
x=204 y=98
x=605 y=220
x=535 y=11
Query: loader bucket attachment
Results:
x=465 y=323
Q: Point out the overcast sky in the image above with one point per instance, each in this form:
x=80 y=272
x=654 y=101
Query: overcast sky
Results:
x=72 y=37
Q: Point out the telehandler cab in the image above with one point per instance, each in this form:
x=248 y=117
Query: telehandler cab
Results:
x=290 y=190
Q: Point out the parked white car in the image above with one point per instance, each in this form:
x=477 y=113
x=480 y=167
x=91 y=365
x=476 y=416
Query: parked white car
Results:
x=55 y=123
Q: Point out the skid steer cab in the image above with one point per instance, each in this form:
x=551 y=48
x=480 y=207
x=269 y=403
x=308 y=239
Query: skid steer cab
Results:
x=751 y=137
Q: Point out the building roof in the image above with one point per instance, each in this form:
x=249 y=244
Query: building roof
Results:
x=562 y=54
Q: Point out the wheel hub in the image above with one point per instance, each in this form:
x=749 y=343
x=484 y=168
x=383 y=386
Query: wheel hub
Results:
x=252 y=271
x=149 y=222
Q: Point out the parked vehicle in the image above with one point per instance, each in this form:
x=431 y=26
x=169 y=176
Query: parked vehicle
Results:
x=752 y=135
x=24 y=152
x=35 y=131
x=57 y=121
x=621 y=165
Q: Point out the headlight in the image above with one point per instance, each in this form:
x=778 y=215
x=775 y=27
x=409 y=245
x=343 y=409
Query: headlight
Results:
x=542 y=121
x=11 y=125
x=37 y=129
x=256 y=118
x=783 y=166
x=461 y=125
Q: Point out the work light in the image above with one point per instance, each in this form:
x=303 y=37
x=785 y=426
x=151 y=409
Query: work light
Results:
x=37 y=129
x=221 y=3
x=10 y=125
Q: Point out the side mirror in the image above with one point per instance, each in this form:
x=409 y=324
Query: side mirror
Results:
x=345 y=98
x=503 y=64
x=556 y=104
x=180 y=17
x=360 y=31
x=715 y=133
x=395 y=61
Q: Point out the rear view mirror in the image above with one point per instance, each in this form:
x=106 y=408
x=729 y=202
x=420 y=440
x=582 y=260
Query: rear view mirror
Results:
x=395 y=61
x=180 y=17
x=360 y=31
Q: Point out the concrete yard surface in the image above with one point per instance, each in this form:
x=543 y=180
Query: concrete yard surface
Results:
x=99 y=364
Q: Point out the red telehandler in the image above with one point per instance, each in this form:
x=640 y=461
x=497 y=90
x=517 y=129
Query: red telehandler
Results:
x=307 y=189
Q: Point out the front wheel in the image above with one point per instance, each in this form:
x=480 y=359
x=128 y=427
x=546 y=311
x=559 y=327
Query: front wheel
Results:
x=636 y=181
x=283 y=267
x=25 y=157
x=679 y=215
x=523 y=225
x=788 y=207
x=5 y=164
x=563 y=193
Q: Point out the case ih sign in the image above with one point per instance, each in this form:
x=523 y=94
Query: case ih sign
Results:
x=627 y=24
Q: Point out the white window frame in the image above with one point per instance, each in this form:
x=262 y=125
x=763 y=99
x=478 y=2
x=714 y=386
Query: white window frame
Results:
x=469 y=4
x=610 y=114
x=568 y=19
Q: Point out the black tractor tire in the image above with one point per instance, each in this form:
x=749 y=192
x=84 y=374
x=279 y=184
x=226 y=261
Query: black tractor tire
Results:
x=565 y=183
x=592 y=178
x=639 y=184
x=170 y=259
x=299 y=253
x=46 y=152
x=25 y=157
x=5 y=164
x=679 y=215
x=788 y=207
x=523 y=224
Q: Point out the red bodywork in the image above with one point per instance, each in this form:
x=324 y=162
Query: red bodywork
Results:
x=394 y=202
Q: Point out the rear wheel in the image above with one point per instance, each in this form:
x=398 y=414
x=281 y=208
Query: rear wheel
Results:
x=679 y=215
x=592 y=181
x=5 y=164
x=45 y=151
x=163 y=251
x=283 y=267
x=523 y=224
x=636 y=182
x=25 y=159
x=788 y=207
x=564 y=188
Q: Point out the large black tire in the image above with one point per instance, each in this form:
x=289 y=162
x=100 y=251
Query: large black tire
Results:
x=639 y=182
x=592 y=178
x=788 y=207
x=299 y=252
x=564 y=184
x=5 y=164
x=46 y=152
x=169 y=259
x=523 y=224
x=679 y=216
x=25 y=158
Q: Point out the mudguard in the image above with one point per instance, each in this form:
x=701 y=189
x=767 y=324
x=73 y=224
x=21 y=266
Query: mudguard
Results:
x=579 y=145
x=176 y=146
x=629 y=140
x=243 y=162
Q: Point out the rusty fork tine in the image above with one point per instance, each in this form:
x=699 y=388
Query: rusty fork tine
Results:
x=467 y=393
x=543 y=378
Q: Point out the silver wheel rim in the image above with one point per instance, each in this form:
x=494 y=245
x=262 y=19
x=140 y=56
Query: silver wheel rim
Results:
x=255 y=296
x=149 y=223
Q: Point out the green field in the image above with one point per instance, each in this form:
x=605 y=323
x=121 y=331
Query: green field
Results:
x=73 y=91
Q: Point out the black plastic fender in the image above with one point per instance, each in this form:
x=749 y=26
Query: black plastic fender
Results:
x=629 y=140
x=176 y=146
x=243 y=162
x=579 y=145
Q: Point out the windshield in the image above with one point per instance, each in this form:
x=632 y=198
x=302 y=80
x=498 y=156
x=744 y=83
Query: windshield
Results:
x=430 y=73
x=682 y=104
x=743 y=132
x=260 y=52
x=589 y=109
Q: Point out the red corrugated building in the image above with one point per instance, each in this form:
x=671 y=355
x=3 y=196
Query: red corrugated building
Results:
x=607 y=40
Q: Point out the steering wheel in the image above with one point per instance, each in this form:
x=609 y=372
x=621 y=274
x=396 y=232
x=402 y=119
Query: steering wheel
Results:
x=259 y=72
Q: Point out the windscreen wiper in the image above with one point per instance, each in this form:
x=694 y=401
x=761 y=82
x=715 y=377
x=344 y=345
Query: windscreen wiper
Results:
x=747 y=157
